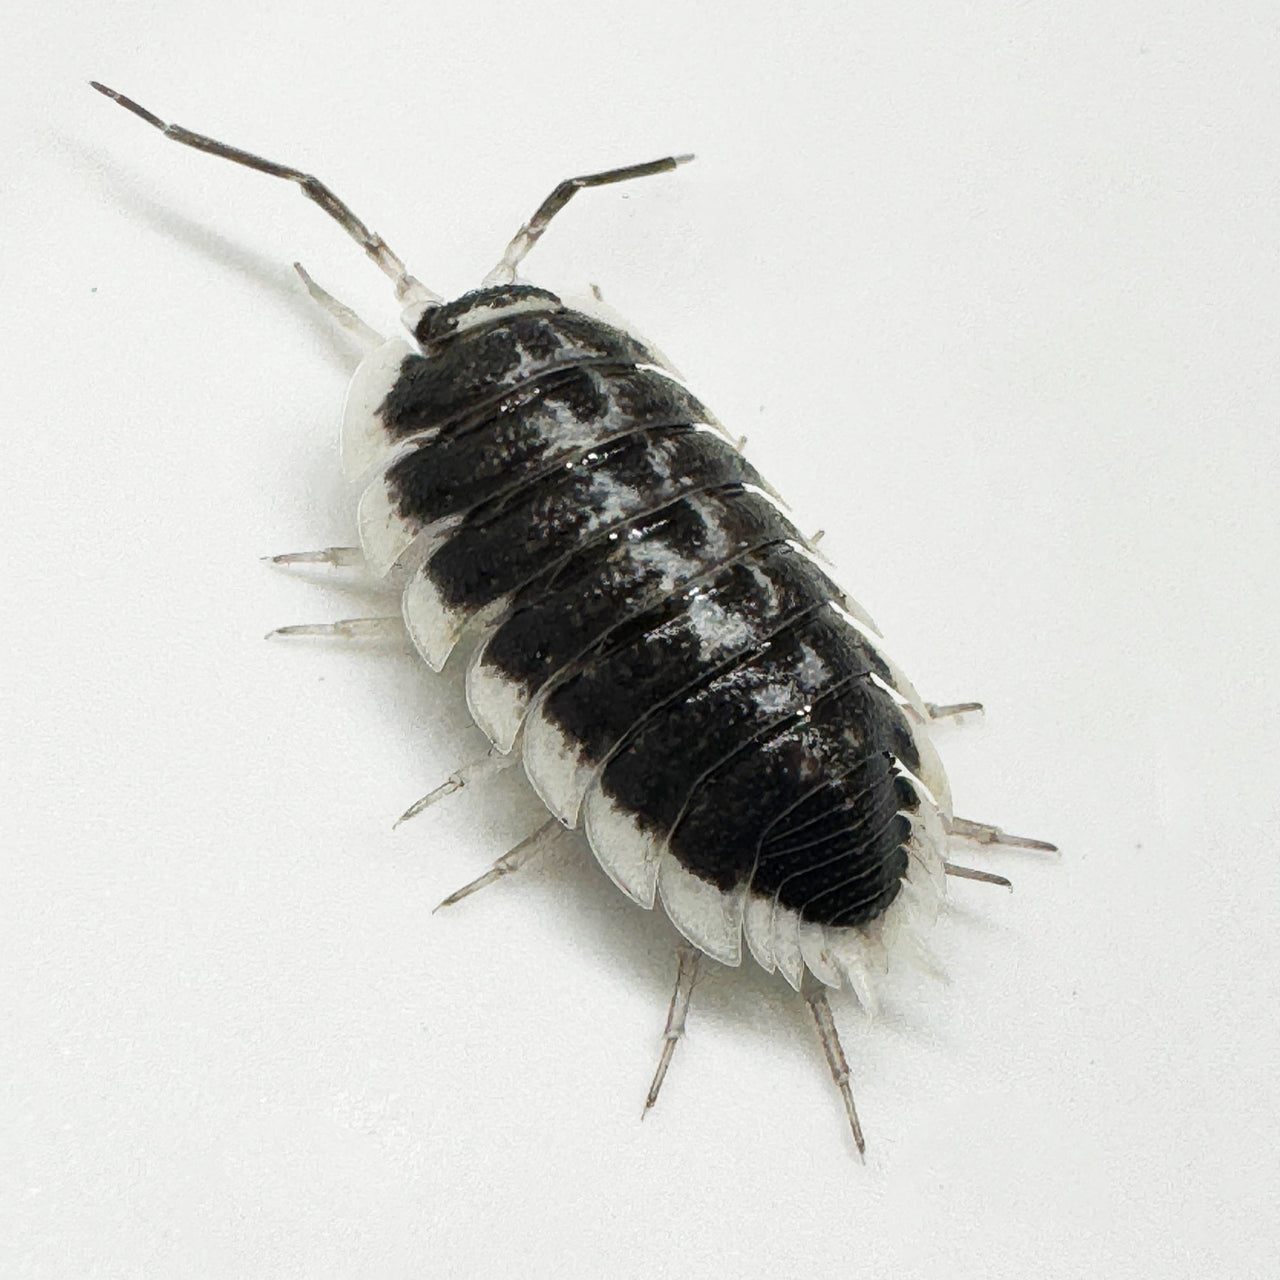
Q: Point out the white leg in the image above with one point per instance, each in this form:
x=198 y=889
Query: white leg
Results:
x=969 y=873
x=339 y=557
x=387 y=628
x=816 y=994
x=365 y=335
x=952 y=710
x=985 y=833
x=688 y=962
x=510 y=862
x=493 y=762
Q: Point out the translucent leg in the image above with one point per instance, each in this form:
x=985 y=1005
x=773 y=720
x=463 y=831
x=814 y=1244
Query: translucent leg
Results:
x=389 y=628
x=510 y=862
x=367 y=336
x=339 y=557
x=488 y=765
x=688 y=963
x=952 y=710
x=969 y=873
x=815 y=993
x=985 y=833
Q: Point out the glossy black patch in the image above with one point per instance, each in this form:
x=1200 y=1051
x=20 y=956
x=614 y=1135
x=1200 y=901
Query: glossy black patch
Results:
x=843 y=879
x=719 y=834
x=531 y=433
x=479 y=366
x=504 y=544
x=694 y=655
x=828 y=809
x=657 y=657
x=609 y=582
x=662 y=764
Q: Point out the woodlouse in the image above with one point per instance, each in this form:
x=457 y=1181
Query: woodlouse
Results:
x=654 y=641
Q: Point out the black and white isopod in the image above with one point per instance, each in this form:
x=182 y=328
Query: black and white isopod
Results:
x=651 y=638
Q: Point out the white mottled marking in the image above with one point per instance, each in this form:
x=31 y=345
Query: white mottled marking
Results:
x=481 y=315
x=718 y=629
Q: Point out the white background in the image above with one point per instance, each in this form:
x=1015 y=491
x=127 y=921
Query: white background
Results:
x=993 y=290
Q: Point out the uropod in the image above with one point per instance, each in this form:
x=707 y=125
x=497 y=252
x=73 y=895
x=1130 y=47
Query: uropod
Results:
x=649 y=636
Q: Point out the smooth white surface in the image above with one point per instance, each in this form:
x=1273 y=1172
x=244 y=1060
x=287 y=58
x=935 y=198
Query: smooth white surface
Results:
x=993 y=290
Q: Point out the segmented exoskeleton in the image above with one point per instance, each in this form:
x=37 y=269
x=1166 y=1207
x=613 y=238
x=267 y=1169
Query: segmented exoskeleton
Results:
x=652 y=639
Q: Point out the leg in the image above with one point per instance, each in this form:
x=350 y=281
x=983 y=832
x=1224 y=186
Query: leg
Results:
x=340 y=557
x=815 y=993
x=688 y=962
x=490 y=763
x=969 y=873
x=407 y=288
x=985 y=833
x=530 y=233
x=387 y=628
x=511 y=861
x=367 y=337
x=952 y=710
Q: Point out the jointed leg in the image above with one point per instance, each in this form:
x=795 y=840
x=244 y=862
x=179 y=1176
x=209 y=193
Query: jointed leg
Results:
x=489 y=764
x=985 y=833
x=970 y=873
x=689 y=960
x=816 y=994
x=511 y=861
x=385 y=628
x=367 y=336
x=952 y=710
x=339 y=557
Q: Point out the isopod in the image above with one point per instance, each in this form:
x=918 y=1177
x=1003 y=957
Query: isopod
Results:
x=650 y=637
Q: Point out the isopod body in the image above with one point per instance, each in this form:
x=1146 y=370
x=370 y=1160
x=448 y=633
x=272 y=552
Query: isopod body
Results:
x=653 y=636
x=649 y=635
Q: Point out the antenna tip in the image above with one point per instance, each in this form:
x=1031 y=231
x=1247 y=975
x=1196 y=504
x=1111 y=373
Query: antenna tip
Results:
x=129 y=105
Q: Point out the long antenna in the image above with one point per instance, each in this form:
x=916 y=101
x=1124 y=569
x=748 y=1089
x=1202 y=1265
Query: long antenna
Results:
x=531 y=232
x=407 y=288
